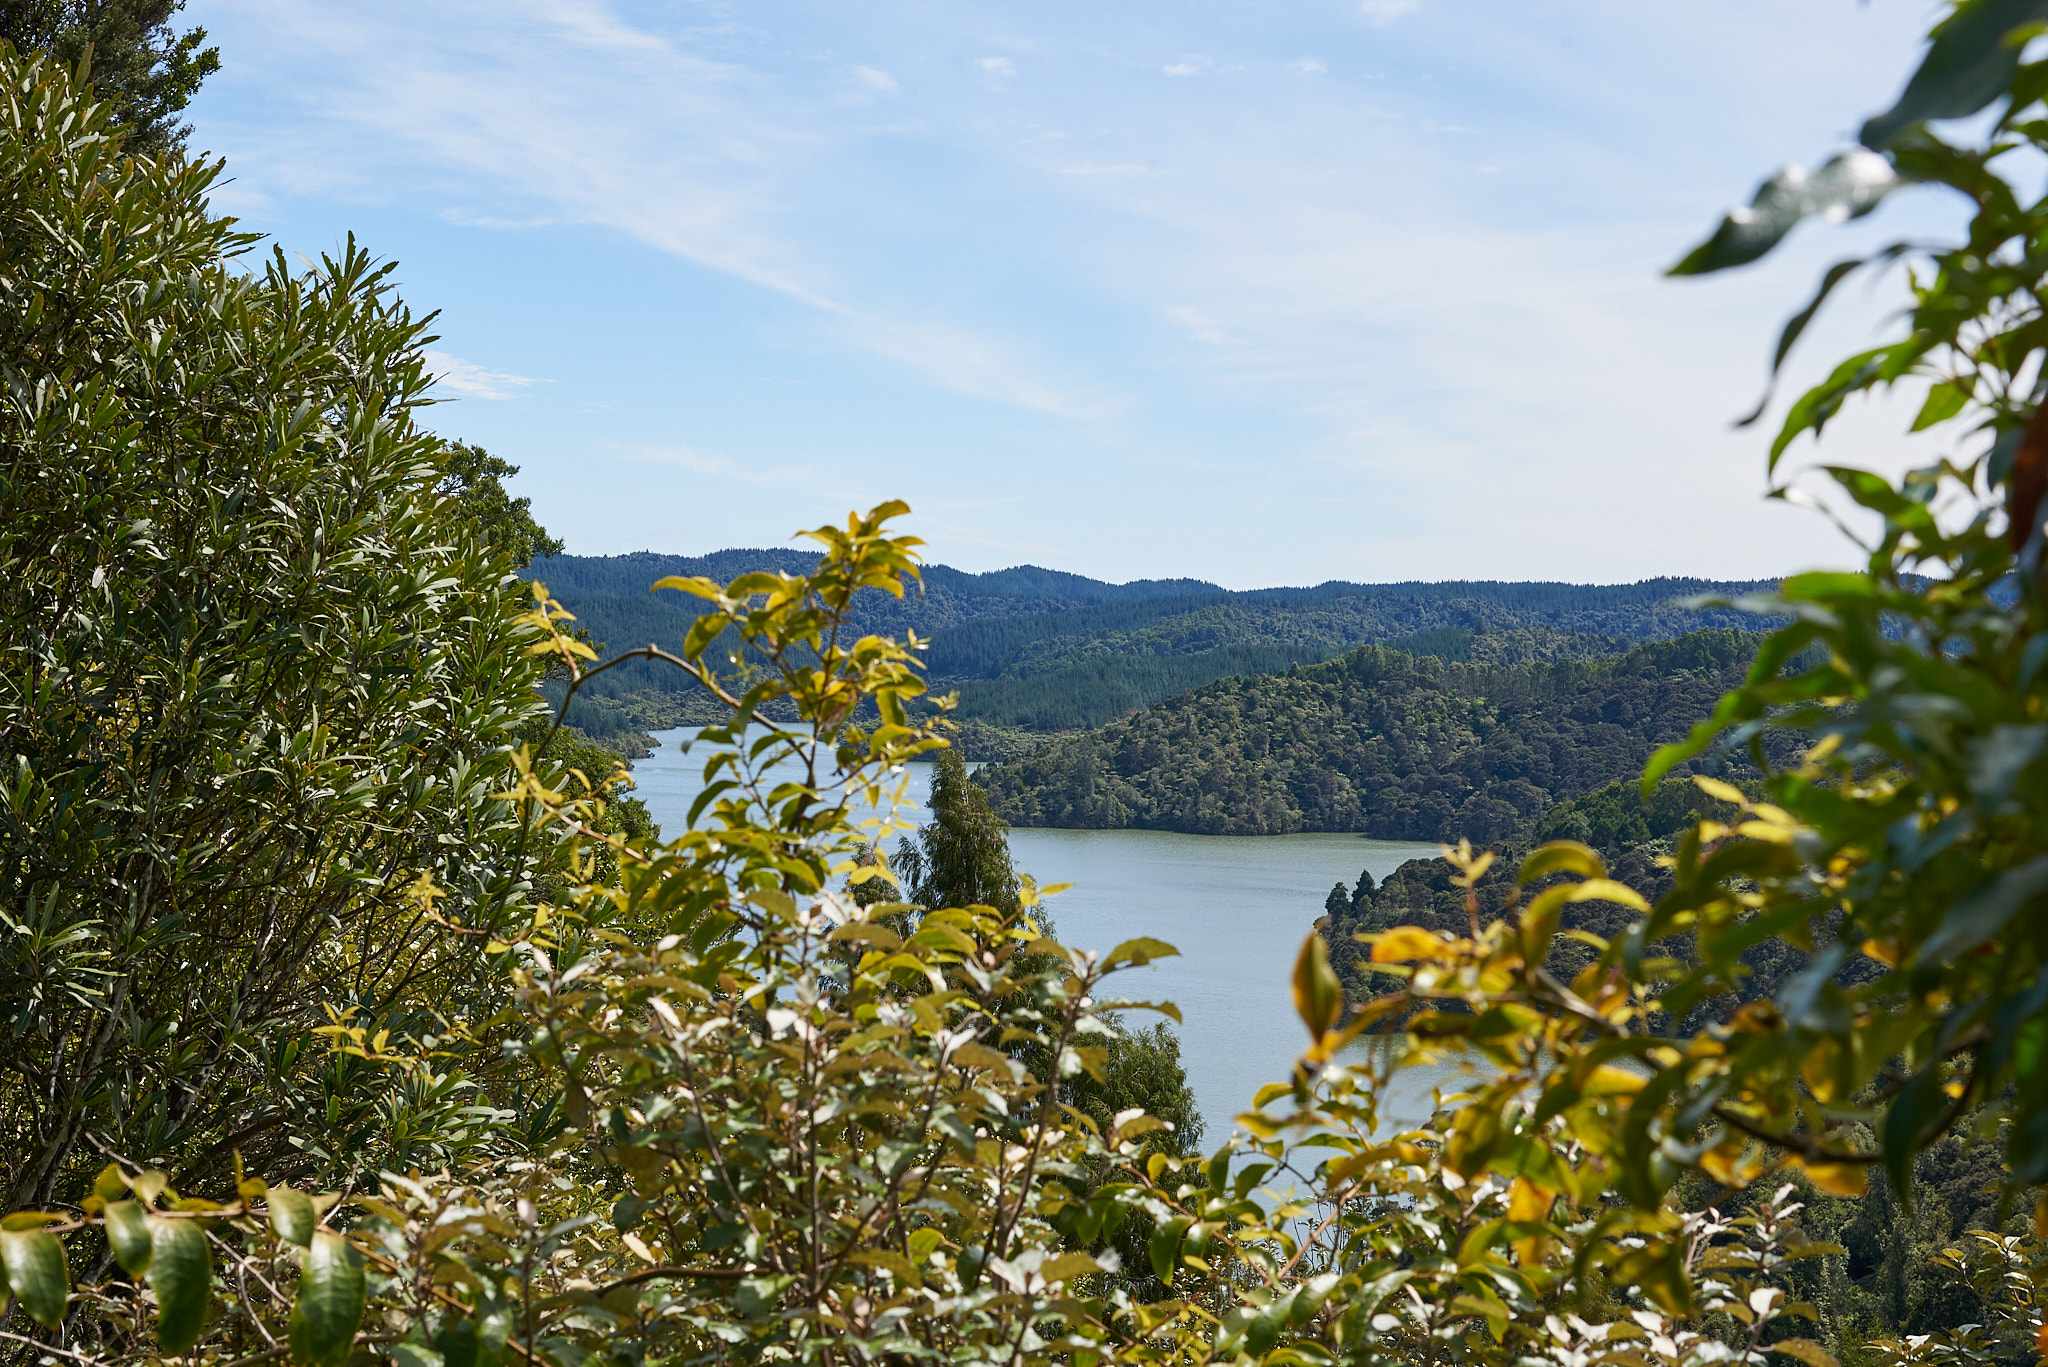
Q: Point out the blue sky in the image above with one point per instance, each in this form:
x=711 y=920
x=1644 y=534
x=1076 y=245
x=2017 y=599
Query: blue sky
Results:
x=1262 y=293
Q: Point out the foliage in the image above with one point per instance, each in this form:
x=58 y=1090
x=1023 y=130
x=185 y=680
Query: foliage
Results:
x=472 y=479
x=255 y=688
x=814 y=1130
x=959 y=858
x=1044 y=652
x=139 y=63
x=1379 y=742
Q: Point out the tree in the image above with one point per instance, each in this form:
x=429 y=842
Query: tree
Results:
x=473 y=480
x=258 y=689
x=140 y=63
x=960 y=858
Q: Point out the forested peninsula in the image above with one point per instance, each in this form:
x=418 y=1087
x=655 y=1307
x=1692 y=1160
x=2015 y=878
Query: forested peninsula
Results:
x=1380 y=742
x=1034 y=654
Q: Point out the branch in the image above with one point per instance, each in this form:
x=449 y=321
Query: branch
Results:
x=655 y=1274
x=42 y=1347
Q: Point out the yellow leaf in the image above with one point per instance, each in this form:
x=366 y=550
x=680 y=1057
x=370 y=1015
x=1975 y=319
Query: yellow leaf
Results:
x=1836 y=1179
x=1527 y=1201
x=1608 y=1080
x=1607 y=890
x=1404 y=943
x=1714 y=787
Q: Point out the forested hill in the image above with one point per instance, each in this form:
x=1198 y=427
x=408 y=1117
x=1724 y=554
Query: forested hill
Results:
x=1034 y=651
x=1381 y=742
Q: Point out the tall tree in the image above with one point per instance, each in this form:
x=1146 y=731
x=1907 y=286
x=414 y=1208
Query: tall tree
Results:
x=472 y=479
x=258 y=677
x=961 y=857
x=140 y=62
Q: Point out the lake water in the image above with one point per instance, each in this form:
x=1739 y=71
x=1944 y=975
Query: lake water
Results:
x=1237 y=907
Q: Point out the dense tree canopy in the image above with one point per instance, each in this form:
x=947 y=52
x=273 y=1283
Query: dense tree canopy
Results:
x=1380 y=742
x=260 y=677
x=1031 y=652
x=141 y=63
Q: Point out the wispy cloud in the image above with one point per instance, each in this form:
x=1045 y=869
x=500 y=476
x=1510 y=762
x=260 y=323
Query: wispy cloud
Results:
x=1198 y=325
x=572 y=110
x=463 y=219
x=473 y=381
x=1094 y=168
x=1427 y=325
x=1386 y=11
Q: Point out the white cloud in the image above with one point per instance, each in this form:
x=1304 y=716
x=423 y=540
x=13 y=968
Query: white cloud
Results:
x=1386 y=11
x=1182 y=69
x=876 y=80
x=1092 y=168
x=1199 y=326
x=559 y=103
x=463 y=219
x=1409 y=362
x=473 y=381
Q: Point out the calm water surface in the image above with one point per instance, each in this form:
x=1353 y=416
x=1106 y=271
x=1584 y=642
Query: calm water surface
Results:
x=1237 y=907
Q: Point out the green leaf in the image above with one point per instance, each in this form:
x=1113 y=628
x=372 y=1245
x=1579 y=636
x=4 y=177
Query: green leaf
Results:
x=1165 y=1247
x=329 y=1308
x=34 y=1259
x=1968 y=66
x=1984 y=912
x=1139 y=952
x=1944 y=401
x=1807 y=1351
x=1847 y=186
x=757 y=1296
x=128 y=1235
x=181 y=1274
x=1318 y=996
x=1561 y=856
x=291 y=1215
x=459 y=1344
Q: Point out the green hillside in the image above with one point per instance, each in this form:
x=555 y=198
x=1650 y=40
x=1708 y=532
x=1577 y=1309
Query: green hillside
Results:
x=1380 y=742
x=1034 y=653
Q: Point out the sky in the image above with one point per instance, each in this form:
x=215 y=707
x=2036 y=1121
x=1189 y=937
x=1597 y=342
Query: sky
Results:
x=1261 y=293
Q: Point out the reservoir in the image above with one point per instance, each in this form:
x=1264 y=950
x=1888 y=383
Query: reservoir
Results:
x=1237 y=908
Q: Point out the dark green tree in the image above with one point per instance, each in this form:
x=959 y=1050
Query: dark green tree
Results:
x=259 y=689
x=472 y=479
x=961 y=857
x=1338 y=902
x=141 y=63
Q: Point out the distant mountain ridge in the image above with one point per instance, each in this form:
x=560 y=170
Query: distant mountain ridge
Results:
x=634 y=571
x=1034 y=651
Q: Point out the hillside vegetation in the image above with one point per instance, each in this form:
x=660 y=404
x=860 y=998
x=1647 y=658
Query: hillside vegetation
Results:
x=1381 y=742
x=1034 y=653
